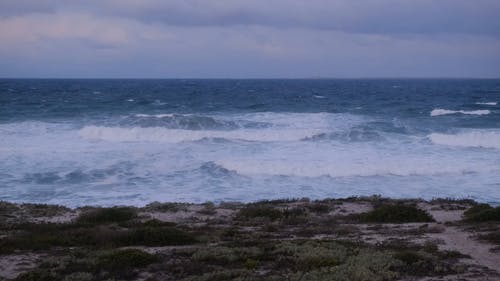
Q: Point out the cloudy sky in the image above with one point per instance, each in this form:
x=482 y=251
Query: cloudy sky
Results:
x=249 y=39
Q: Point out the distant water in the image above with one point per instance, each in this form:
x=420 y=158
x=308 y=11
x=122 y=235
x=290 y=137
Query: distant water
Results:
x=105 y=142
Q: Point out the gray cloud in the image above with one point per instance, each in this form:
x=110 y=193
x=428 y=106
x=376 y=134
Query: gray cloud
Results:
x=234 y=38
x=361 y=16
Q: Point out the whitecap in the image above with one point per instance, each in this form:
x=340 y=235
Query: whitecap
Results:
x=476 y=138
x=439 y=111
x=160 y=134
x=346 y=168
x=487 y=103
x=154 y=115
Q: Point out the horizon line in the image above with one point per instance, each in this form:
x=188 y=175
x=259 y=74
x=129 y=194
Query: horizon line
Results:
x=251 y=78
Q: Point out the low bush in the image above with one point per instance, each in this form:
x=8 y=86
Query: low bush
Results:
x=45 y=236
x=408 y=257
x=107 y=215
x=395 y=213
x=118 y=259
x=158 y=236
x=250 y=212
x=158 y=223
x=226 y=255
x=319 y=208
x=172 y=207
x=42 y=275
x=43 y=210
x=493 y=237
x=482 y=213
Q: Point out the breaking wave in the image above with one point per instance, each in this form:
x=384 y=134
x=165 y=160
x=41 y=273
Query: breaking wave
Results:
x=354 y=135
x=336 y=169
x=159 y=134
x=186 y=122
x=477 y=138
x=439 y=112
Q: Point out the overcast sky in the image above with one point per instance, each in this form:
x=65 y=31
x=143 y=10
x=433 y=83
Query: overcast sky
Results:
x=249 y=39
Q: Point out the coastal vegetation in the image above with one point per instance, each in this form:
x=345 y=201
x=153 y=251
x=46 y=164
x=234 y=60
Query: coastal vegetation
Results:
x=292 y=239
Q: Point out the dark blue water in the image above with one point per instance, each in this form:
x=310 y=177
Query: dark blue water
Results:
x=109 y=142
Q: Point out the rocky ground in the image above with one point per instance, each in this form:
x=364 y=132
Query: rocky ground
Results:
x=334 y=239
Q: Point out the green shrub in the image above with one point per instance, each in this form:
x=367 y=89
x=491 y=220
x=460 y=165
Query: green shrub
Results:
x=493 y=237
x=223 y=275
x=306 y=255
x=7 y=208
x=278 y=201
x=294 y=212
x=158 y=236
x=477 y=209
x=44 y=236
x=107 y=215
x=43 y=210
x=85 y=265
x=166 y=207
x=35 y=276
x=209 y=209
x=319 y=208
x=250 y=212
x=482 y=213
x=365 y=266
x=79 y=276
x=251 y=264
x=119 y=259
x=224 y=255
x=408 y=257
x=395 y=213
x=158 y=223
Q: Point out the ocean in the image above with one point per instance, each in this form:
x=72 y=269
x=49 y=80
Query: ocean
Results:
x=131 y=142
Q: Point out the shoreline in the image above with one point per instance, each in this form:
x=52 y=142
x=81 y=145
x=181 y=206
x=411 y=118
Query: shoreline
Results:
x=357 y=238
x=246 y=202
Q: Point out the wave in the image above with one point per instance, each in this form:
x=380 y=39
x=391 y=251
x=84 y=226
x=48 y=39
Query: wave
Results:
x=485 y=139
x=354 y=135
x=73 y=177
x=438 y=112
x=215 y=170
x=154 y=115
x=336 y=169
x=318 y=97
x=159 y=134
x=487 y=103
x=338 y=121
x=185 y=122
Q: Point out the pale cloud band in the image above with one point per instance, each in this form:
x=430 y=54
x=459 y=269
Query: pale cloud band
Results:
x=249 y=38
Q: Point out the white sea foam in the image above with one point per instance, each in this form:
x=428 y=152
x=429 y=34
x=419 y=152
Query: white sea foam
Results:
x=319 y=97
x=487 y=103
x=476 y=138
x=342 y=166
x=63 y=163
x=331 y=121
x=438 y=112
x=154 y=115
x=281 y=127
x=158 y=134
